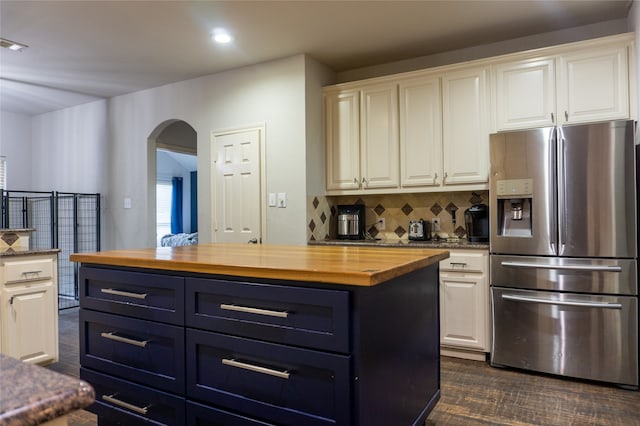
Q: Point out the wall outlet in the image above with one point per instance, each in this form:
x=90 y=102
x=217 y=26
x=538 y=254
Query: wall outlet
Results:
x=436 y=224
x=381 y=224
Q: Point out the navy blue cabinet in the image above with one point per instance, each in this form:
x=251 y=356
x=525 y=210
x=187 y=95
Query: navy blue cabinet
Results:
x=218 y=350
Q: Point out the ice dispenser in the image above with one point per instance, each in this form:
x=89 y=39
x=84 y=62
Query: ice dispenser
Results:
x=515 y=200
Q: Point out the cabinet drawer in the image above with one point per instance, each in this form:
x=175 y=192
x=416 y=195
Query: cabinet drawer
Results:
x=126 y=403
x=286 y=385
x=464 y=262
x=313 y=318
x=28 y=270
x=142 y=351
x=140 y=295
x=202 y=415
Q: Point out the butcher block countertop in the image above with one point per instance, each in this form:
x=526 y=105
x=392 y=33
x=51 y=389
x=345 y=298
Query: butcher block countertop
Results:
x=350 y=265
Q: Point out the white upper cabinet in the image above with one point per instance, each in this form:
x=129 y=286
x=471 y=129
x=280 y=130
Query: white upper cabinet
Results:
x=593 y=85
x=421 y=132
x=525 y=94
x=342 y=133
x=581 y=85
x=465 y=126
x=379 y=149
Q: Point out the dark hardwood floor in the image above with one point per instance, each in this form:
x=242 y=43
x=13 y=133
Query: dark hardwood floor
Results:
x=473 y=393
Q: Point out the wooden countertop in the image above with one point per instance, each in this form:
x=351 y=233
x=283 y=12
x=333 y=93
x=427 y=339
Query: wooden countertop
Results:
x=31 y=394
x=351 y=265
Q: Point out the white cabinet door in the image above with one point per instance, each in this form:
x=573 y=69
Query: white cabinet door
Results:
x=420 y=132
x=342 y=133
x=379 y=147
x=463 y=308
x=525 y=94
x=465 y=104
x=594 y=85
x=30 y=322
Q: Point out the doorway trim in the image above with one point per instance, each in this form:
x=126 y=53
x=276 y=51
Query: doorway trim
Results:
x=261 y=128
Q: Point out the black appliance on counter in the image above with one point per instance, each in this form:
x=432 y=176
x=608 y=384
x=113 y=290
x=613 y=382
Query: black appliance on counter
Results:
x=351 y=222
x=476 y=220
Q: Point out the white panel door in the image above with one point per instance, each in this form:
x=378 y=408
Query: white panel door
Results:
x=465 y=106
x=594 y=85
x=463 y=307
x=237 y=198
x=30 y=322
x=342 y=128
x=379 y=147
x=525 y=94
x=420 y=132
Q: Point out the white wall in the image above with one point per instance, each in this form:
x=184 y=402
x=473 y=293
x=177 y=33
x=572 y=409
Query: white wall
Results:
x=15 y=144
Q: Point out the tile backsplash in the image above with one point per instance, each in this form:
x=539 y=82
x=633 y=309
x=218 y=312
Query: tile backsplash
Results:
x=396 y=209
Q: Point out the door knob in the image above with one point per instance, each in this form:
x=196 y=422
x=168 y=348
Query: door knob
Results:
x=253 y=241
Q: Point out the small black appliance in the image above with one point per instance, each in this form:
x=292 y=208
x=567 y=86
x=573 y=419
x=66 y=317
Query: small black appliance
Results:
x=351 y=222
x=476 y=219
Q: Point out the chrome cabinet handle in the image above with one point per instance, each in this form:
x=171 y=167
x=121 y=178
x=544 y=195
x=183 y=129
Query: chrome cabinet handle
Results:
x=593 y=268
x=124 y=293
x=112 y=399
x=112 y=336
x=566 y=116
x=461 y=264
x=435 y=177
x=256 y=368
x=355 y=180
x=250 y=310
x=364 y=181
x=35 y=272
x=552 y=119
x=603 y=305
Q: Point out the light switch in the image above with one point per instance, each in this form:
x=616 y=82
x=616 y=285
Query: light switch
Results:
x=127 y=203
x=282 y=199
x=272 y=199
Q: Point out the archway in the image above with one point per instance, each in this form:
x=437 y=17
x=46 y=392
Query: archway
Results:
x=172 y=156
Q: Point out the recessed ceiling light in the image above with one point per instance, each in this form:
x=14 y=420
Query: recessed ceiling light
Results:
x=12 y=45
x=220 y=35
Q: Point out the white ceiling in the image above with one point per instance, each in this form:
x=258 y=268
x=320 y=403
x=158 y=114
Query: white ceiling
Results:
x=81 y=51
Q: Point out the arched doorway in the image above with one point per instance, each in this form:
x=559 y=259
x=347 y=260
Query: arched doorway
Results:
x=172 y=164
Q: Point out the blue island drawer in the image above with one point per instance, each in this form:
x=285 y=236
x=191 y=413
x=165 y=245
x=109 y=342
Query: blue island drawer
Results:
x=126 y=403
x=203 y=415
x=141 y=295
x=276 y=383
x=138 y=350
x=301 y=316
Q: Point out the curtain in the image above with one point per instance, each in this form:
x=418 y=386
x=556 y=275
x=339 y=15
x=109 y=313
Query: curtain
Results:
x=176 y=205
x=194 y=201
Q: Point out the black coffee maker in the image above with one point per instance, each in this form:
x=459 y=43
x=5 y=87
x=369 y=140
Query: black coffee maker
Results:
x=476 y=219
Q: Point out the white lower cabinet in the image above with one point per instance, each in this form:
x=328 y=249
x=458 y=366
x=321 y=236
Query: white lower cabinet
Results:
x=464 y=304
x=29 y=308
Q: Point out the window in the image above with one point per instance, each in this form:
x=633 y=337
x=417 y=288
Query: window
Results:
x=163 y=209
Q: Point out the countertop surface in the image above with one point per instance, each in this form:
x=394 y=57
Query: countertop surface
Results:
x=462 y=244
x=336 y=264
x=9 y=251
x=30 y=394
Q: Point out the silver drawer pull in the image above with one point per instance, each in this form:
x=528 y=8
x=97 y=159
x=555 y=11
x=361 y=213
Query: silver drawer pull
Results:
x=256 y=368
x=604 y=305
x=587 y=268
x=279 y=314
x=35 y=272
x=460 y=264
x=113 y=336
x=124 y=293
x=112 y=399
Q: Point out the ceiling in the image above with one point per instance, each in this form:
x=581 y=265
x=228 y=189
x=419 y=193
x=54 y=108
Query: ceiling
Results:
x=80 y=51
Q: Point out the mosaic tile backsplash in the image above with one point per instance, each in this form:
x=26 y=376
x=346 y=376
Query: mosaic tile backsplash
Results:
x=396 y=209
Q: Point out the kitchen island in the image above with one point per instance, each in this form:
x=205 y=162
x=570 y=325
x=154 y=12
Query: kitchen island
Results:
x=259 y=334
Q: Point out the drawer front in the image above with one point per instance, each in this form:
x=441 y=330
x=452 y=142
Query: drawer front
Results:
x=202 y=415
x=154 y=297
x=464 y=262
x=286 y=385
x=313 y=318
x=141 y=351
x=17 y=271
x=126 y=403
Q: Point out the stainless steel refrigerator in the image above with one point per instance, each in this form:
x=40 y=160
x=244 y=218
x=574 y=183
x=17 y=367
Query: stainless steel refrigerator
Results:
x=564 y=275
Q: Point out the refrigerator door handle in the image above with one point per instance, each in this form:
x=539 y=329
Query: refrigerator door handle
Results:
x=588 y=268
x=561 y=180
x=602 y=305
